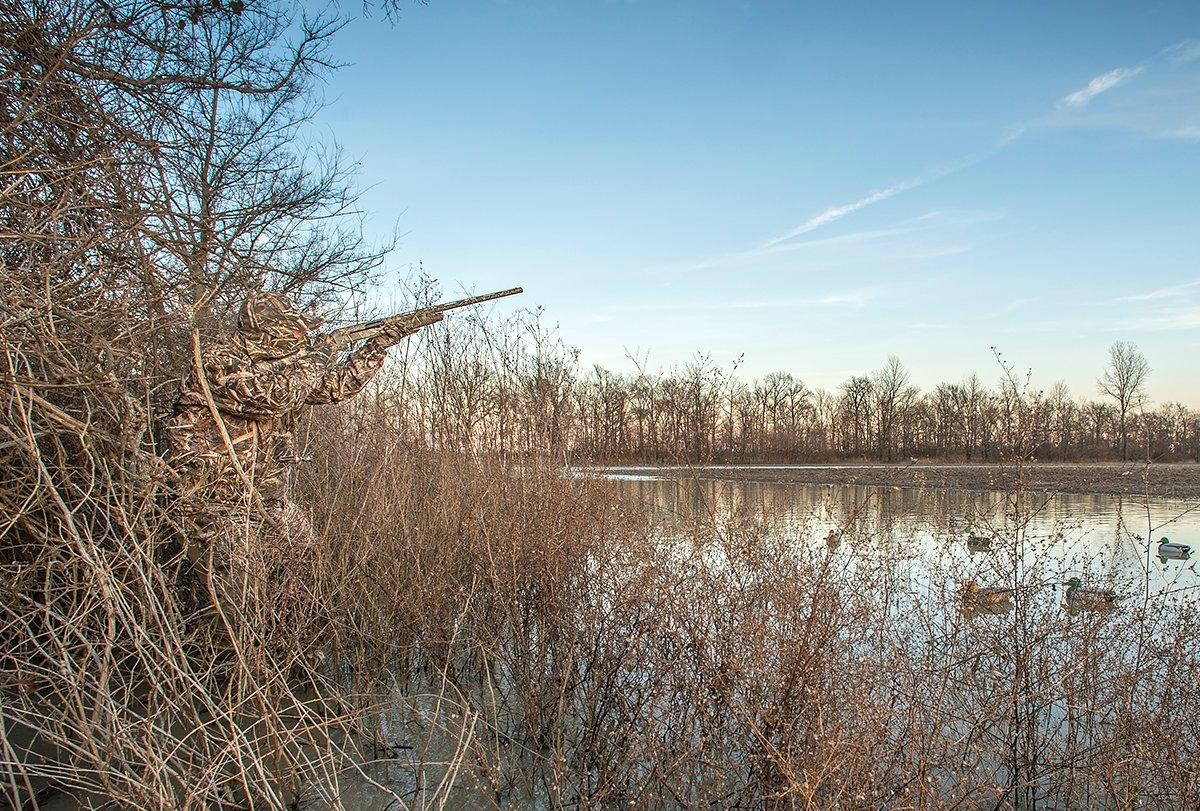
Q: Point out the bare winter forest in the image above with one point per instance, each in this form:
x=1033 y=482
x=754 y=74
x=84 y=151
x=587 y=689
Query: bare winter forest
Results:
x=529 y=394
x=472 y=627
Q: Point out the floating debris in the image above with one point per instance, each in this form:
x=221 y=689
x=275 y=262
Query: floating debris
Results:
x=1089 y=598
x=1168 y=550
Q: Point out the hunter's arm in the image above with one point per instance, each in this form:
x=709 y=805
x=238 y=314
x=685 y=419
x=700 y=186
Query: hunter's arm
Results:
x=348 y=377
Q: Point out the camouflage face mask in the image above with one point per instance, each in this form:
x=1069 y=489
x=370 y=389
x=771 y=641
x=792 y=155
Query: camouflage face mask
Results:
x=273 y=327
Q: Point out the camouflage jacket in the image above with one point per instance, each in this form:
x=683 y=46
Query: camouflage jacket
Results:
x=260 y=381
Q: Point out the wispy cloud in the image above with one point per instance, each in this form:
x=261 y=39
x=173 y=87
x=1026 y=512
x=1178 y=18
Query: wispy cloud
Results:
x=837 y=212
x=1188 y=132
x=1178 y=54
x=929 y=222
x=1187 y=318
x=941 y=251
x=1101 y=84
x=1162 y=104
x=1067 y=112
x=1183 y=52
x=853 y=298
x=853 y=238
x=1174 y=291
x=1164 y=309
x=1018 y=304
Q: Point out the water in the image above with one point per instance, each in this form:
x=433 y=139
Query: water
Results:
x=915 y=542
x=1104 y=539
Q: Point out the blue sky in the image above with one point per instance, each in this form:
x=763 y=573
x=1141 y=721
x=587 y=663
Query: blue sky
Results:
x=812 y=187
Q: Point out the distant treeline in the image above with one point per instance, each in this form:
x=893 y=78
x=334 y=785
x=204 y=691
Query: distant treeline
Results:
x=512 y=388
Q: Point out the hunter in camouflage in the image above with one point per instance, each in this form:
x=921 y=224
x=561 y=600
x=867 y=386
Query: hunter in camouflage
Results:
x=231 y=436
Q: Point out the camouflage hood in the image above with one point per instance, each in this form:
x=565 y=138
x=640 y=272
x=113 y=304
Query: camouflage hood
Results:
x=272 y=326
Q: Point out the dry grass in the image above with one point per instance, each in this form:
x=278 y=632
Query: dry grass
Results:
x=542 y=641
x=491 y=632
x=472 y=627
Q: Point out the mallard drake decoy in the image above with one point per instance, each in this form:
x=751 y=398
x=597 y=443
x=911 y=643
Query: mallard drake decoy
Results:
x=958 y=524
x=979 y=543
x=1089 y=598
x=1168 y=550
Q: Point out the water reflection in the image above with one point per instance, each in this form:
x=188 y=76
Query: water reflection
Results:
x=929 y=536
x=940 y=632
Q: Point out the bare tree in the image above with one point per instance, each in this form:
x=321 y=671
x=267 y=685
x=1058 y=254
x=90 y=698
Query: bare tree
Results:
x=1124 y=381
x=856 y=413
x=889 y=386
x=701 y=412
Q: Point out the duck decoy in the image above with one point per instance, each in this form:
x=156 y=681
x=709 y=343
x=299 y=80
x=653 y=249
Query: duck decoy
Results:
x=975 y=593
x=1089 y=598
x=1169 y=550
x=979 y=543
x=984 y=600
x=958 y=524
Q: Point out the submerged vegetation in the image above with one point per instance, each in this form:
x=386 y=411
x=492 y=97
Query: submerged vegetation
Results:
x=471 y=625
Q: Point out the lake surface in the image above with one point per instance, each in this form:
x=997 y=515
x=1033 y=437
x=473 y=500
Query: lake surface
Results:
x=908 y=545
x=1104 y=539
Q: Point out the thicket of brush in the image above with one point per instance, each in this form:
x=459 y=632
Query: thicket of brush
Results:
x=150 y=175
x=538 y=641
x=476 y=631
x=471 y=627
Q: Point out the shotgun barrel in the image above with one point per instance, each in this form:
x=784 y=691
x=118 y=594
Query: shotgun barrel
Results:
x=369 y=329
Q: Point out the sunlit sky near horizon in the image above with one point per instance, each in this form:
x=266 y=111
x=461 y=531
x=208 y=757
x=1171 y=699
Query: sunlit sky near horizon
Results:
x=812 y=187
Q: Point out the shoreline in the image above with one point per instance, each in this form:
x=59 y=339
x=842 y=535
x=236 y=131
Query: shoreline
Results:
x=1160 y=480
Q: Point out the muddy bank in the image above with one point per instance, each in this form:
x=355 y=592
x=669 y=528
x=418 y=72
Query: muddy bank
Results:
x=1175 y=480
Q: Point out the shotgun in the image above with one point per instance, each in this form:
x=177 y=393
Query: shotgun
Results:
x=344 y=337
